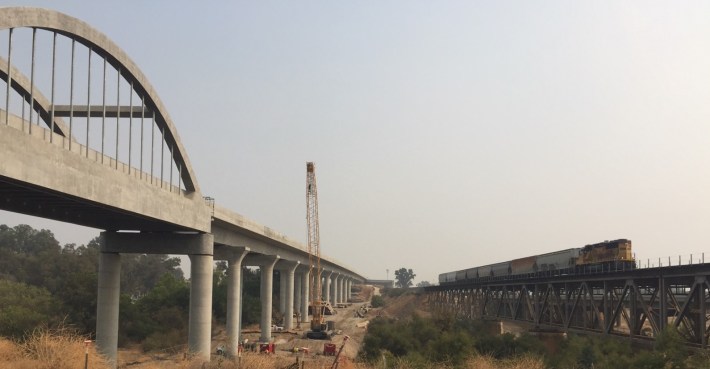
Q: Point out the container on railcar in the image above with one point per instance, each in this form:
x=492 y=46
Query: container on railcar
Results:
x=500 y=269
x=471 y=273
x=447 y=278
x=558 y=260
x=484 y=271
x=524 y=265
x=461 y=275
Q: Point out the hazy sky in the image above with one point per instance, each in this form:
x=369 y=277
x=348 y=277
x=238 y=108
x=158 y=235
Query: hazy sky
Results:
x=446 y=134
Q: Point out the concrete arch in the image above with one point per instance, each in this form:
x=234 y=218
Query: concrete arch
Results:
x=17 y=17
x=21 y=84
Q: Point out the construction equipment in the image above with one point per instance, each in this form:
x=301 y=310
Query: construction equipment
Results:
x=330 y=349
x=336 y=361
x=318 y=326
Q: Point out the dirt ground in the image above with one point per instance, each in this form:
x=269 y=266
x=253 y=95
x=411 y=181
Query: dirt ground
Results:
x=404 y=306
x=345 y=322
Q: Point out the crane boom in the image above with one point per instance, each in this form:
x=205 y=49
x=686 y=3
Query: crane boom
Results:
x=315 y=271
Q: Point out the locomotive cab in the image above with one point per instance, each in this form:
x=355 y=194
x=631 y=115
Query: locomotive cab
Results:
x=606 y=256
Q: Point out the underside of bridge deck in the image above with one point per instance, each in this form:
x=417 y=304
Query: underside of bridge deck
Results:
x=41 y=202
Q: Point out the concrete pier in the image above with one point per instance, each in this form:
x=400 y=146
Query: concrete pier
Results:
x=327 y=287
x=198 y=246
x=266 y=263
x=107 y=305
x=333 y=290
x=234 y=301
x=297 y=293
x=341 y=289
x=283 y=288
x=200 y=324
x=305 y=292
x=288 y=270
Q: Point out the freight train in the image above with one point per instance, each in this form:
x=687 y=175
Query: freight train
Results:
x=600 y=257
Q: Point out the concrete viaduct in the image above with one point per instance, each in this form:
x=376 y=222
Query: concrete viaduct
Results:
x=85 y=139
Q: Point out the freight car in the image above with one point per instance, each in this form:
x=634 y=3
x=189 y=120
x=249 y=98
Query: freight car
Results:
x=604 y=256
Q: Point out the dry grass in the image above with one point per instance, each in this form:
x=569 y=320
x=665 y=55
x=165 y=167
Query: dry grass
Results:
x=9 y=351
x=45 y=349
x=248 y=361
x=62 y=349
x=483 y=362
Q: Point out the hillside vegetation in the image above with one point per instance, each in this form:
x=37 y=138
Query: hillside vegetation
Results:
x=413 y=341
x=48 y=308
x=44 y=284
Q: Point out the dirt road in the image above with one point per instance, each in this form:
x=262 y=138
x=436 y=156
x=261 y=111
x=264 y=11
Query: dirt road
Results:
x=345 y=322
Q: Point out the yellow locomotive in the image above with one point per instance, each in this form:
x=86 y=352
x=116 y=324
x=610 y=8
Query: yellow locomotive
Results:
x=607 y=255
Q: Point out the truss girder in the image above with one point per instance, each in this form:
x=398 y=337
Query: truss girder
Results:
x=636 y=306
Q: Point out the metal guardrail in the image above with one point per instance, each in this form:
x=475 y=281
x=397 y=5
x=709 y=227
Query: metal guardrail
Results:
x=668 y=261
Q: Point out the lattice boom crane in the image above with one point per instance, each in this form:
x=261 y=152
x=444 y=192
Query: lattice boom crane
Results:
x=318 y=325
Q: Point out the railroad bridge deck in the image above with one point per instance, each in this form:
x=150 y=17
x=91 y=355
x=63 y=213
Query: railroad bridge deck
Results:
x=636 y=303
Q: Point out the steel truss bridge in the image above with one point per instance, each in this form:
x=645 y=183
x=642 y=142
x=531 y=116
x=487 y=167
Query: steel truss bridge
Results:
x=636 y=304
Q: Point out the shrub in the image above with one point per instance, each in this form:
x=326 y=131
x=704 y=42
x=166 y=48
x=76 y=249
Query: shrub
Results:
x=23 y=307
x=377 y=301
x=171 y=339
x=395 y=292
x=56 y=349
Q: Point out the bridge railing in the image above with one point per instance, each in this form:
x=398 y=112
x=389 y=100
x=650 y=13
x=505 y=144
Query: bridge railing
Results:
x=79 y=92
x=45 y=134
x=669 y=261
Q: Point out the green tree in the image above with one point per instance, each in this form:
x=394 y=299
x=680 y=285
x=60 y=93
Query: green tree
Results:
x=219 y=292
x=251 y=289
x=404 y=277
x=23 y=307
x=157 y=314
x=141 y=272
x=377 y=301
x=669 y=345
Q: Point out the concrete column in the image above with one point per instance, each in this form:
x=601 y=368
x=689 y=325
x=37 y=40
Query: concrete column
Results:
x=200 y=248
x=199 y=339
x=297 y=294
x=341 y=289
x=234 y=301
x=267 y=285
x=327 y=287
x=283 y=289
x=333 y=292
x=107 y=305
x=349 y=290
x=336 y=289
x=346 y=290
x=288 y=269
x=305 y=292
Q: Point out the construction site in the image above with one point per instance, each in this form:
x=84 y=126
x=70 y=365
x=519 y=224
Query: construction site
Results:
x=346 y=326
